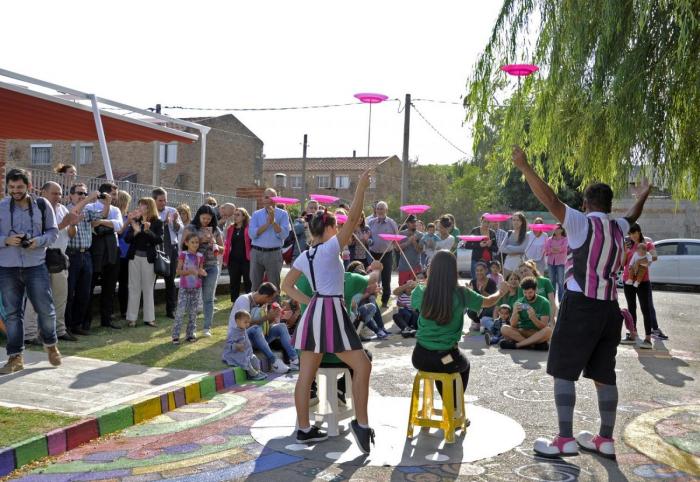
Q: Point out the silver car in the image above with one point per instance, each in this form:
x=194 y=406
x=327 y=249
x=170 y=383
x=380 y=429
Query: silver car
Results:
x=678 y=263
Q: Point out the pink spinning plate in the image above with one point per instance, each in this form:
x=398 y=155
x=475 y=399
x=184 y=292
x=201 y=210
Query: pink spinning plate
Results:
x=284 y=200
x=496 y=218
x=415 y=208
x=472 y=239
x=520 y=70
x=341 y=218
x=542 y=227
x=392 y=237
x=370 y=98
x=323 y=198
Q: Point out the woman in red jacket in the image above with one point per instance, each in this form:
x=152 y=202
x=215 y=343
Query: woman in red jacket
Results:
x=237 y=253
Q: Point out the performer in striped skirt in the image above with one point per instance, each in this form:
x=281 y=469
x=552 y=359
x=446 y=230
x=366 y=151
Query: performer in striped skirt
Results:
x=325 y=326
x=587 y=331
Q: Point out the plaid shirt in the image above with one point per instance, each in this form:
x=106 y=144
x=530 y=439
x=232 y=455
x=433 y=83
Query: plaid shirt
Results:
x=83 y=235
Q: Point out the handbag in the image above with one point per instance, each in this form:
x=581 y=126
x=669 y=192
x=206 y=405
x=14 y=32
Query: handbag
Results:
x=161 y=265
x=56 y=261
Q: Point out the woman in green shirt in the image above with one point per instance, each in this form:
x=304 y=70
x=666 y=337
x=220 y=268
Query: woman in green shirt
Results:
x=442 y=303
x=545 y=288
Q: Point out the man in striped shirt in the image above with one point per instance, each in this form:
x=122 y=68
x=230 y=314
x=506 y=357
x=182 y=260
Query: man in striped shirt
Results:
x=587 y=331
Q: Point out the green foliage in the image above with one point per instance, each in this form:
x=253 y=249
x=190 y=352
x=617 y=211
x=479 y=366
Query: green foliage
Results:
x=619 y=86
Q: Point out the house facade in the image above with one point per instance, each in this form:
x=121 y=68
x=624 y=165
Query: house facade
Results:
x=336 y=176
x=233 y=158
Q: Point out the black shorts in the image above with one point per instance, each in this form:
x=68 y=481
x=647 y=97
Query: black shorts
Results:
x=585 y=339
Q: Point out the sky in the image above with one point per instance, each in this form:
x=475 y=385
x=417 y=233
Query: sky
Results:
x=218 y=54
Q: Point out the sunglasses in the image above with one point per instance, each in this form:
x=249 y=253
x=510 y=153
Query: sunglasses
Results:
x=80 y=193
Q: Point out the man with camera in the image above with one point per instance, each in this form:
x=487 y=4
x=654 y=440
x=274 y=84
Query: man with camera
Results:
x=27 y=228
x=105 y=254
x=529 y=324
x=268 y=229
x=80 y=258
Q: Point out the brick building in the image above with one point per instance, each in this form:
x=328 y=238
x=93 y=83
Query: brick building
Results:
x=336 y=176
x=233 y=158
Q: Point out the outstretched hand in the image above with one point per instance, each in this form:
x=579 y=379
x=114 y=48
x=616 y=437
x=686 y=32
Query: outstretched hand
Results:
x=519 y=157
x=363 y=182
x=643 y=189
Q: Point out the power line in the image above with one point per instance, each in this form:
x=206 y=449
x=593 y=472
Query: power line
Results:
x=435 y=101
x=437 y=131
x=256 y=109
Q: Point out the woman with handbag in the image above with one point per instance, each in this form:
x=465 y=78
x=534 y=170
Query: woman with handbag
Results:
x=211 y=245
x=145 y=233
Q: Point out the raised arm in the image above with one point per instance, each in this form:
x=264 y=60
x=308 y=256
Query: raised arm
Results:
x=348 y=228
x=636 y=210
x=539 y=188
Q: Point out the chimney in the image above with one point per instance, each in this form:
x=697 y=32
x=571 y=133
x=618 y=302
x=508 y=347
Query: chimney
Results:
x=354 y=153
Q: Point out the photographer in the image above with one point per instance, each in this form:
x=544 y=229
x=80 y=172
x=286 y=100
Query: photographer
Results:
x=105 y=254
x=529 y=324
x=79 y=257
x=26 y=230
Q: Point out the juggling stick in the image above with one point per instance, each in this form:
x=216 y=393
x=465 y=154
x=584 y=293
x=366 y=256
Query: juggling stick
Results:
x=284 y=201
x=415 y=276
x=362 y=244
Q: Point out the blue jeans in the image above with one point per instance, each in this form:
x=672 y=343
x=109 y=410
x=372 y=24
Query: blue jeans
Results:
x=277 y=331
x=79 y=284
x=209 y=294
x=406 y=318
x=35 y=283
x=556 y=276
x=367 y=313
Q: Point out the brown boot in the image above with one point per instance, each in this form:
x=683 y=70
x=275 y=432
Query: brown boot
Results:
x=54 y=355
x=14 y=364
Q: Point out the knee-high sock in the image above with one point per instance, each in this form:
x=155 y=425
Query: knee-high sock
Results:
x=565 y=399
x=607 y=406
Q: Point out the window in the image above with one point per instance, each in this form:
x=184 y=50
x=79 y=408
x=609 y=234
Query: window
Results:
x=295 y=181
x=168 y=153
x=342 y=182
x=82 y=154
x=373 y=182
x=692 y=249
x=668 y=249
x=280 y=180
x=41 y=154
x=324 y=181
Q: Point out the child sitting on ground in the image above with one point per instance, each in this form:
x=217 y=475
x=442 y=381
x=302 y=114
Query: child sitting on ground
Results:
x=240 y=352
x=639 y=264
x=364 y=305
x=492 y=329
x=406 y=318
x=190 y=269
x=495 y=272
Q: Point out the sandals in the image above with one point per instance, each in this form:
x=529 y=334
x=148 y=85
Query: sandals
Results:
x=131 y=324
x=152 y=324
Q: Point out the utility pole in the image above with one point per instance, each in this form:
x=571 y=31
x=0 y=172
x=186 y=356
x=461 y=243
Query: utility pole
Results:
x=404 y=158
x=303 y=173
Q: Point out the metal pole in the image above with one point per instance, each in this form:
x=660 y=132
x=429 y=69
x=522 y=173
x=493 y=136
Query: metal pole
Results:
x=101 y=137
x=303 y=173
x=156 y=163
x=404 y=157
x=369 y=128
x=202 y=162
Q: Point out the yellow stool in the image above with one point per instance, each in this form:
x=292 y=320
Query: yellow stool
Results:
x=422 y=416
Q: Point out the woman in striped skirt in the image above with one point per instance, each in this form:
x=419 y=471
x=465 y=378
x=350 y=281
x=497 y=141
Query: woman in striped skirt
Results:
x=325 y=326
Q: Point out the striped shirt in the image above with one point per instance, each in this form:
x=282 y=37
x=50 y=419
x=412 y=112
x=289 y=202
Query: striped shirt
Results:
x=83 y=234
x=596 y=254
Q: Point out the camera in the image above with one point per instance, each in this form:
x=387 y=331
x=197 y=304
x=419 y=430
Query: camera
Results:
x=102 y=196
x=309 y=217
x=524 y=306
x=25 y=242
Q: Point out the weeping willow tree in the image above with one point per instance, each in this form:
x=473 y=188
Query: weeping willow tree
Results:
x=618 y=89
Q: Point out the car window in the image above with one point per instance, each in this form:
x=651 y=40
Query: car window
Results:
x=691 y=249
x=667 y=249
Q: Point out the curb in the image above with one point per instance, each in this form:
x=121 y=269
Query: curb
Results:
x=116 y=418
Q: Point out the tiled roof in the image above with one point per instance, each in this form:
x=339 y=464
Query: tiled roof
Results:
x=323 y=163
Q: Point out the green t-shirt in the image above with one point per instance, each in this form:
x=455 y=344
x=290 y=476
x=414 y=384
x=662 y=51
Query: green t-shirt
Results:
x=544 y=287
x=443 y=337
x=353 y=284
x=541 y=307
x=509 y=300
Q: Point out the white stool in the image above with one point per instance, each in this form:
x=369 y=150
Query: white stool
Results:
x=328 y=410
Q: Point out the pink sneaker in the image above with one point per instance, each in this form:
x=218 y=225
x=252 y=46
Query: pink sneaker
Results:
x=602 y=446
x=559 y=447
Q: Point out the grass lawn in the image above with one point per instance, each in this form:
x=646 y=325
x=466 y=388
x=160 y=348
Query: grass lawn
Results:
x=17 y=424
x=143 y=345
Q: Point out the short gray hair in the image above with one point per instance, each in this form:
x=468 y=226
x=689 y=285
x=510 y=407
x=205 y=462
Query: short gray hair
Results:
x=382 y=204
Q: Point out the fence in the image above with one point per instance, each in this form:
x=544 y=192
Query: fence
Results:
x=136 y=190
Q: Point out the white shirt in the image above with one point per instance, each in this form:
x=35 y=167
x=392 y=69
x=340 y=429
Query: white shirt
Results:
x=62 y=241
x=174 y=236
x=576 y=226
x=115 y=215
x=535 y=249
x=328 y=268
x=446 y=243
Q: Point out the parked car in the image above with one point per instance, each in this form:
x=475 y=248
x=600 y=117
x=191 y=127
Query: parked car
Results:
x=678 y=263
x=464 y=260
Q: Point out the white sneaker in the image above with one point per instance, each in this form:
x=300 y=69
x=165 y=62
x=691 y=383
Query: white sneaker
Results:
x=279 y=367
x=207 y=333
x=294 y=365
x=559 y=447
x=602 y=446
x=643 y=344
